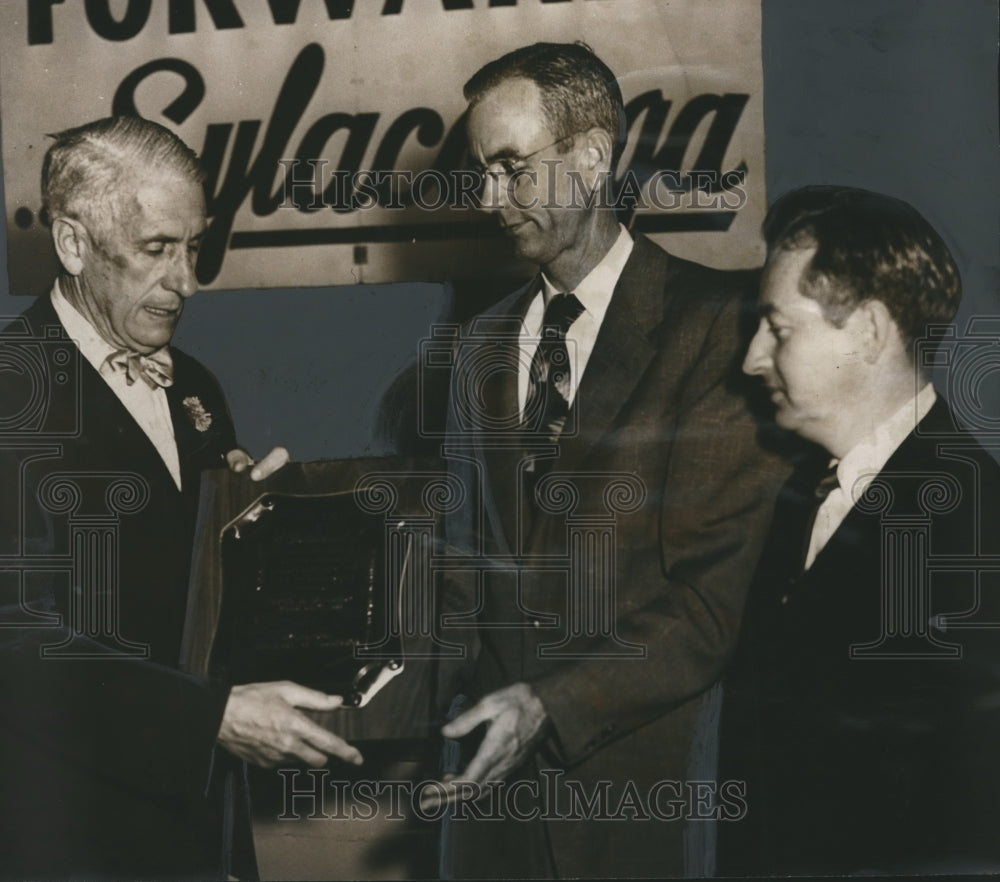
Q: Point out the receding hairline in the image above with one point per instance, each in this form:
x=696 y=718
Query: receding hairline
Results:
x=135 y=175
x=813 y=284
x=803 y=245
x=97 y=161
x=481 y=94
x=577 y=91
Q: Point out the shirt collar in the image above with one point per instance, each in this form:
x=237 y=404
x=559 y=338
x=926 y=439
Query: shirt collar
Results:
x=596 y=288
x=92 y=345
x=867 y=458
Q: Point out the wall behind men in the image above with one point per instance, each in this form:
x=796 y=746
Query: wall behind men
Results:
x=894 y=95
x=900 y=96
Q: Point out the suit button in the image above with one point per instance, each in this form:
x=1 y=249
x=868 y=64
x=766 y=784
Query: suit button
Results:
x=784 y=599
x=535 y=623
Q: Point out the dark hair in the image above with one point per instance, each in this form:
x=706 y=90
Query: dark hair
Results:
x=869 y=246
x=85 y=167
x=578 y=90
x=796 y=204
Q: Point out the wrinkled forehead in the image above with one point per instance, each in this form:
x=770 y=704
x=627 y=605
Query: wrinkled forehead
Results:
x=150 y=202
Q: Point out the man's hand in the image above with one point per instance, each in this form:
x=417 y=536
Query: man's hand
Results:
x=517 y=722
x=261 y=725
x=239 y=461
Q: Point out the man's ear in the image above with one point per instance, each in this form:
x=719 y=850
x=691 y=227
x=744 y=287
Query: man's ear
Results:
x=877 y=328
x=598 y=147
x=72 y=242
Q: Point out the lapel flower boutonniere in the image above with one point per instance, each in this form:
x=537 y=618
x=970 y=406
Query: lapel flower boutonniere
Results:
x=196 y=412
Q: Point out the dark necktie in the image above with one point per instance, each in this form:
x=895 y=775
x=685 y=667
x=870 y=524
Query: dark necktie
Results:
x=782 y=563
x=823 y=487
x=547 y=403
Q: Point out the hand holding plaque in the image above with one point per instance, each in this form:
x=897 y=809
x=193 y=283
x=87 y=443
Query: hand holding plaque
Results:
x=262 y=724
x=293 y=581
x=307 y=596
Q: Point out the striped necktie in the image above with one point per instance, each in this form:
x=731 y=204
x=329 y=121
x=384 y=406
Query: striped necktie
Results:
x=546 y=405
x=547 y=402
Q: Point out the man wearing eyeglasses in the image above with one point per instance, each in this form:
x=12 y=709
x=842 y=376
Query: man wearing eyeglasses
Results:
x=621 y=498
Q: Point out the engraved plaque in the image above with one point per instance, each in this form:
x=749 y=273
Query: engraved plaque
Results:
x=309 y=595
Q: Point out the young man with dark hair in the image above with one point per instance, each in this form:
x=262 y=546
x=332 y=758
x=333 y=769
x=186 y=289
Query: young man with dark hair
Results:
x=860 y=710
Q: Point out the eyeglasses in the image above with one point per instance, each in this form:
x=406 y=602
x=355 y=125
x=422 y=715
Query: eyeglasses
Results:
x=510 y=168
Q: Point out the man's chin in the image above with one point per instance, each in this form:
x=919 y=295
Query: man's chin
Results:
x=525 y=249
x=150 y=342
x=806 y=427
x=785 y=418
x=521 y=239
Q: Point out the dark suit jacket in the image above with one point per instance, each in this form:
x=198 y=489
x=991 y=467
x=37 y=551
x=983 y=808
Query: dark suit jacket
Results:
x=104 y=760
x=884 y=760
x=660 y=411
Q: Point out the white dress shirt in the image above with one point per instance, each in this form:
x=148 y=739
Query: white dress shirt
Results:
x=594 y=292
x=862 y=463
x=148 y=407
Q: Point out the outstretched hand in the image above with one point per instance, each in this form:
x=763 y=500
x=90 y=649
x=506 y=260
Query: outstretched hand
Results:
x=517 y=723
x=262 y=725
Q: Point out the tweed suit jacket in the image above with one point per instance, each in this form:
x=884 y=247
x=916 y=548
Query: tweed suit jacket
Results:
x=659 y=472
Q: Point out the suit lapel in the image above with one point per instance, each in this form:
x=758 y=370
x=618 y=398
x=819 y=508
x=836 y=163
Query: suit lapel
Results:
x=621 y=353
x=192 y=422
x=917 y=450
x=103 y=412
x=502 y=354
x=101 y=401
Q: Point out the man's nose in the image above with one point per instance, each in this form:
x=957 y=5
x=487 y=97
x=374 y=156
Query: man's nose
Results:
x=180 y=276
x=758 y=357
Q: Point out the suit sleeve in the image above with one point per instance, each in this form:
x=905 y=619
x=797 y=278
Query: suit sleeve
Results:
x=455 y=591
x=716 y=505
x=145 y=725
